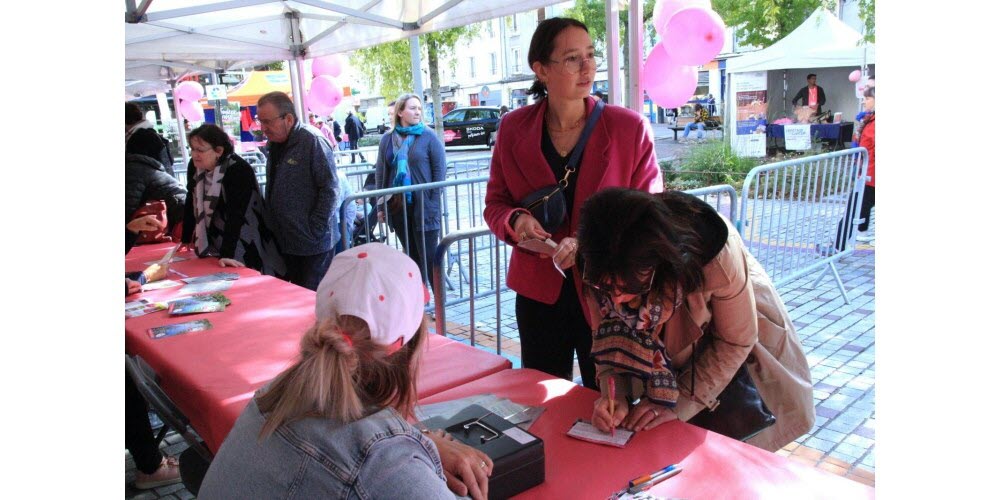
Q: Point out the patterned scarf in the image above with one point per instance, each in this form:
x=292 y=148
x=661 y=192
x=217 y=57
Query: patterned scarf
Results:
x=207 y=193
x=628 y=340
x=402 y=166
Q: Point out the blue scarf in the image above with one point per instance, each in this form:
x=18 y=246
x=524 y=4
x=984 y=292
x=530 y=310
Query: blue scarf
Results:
x=402 y=167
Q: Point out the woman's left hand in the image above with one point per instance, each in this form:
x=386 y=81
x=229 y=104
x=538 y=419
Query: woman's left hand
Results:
x=565 y=256
x=231 y=263
x=645 y=416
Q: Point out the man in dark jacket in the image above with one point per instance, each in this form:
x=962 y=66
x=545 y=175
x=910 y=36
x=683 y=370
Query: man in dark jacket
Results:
x=811 y=95
x=146 y=180
x=355 y=129
x=300 y=199
x=141 y=138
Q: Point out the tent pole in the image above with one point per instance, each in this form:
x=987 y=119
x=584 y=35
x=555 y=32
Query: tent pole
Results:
x=613 y=47
x=181 y=133
x=418 y=81
x=298 y=88
x=636 y=49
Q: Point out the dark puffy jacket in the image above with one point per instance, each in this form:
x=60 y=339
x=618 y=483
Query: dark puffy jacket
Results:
x=147 y=180
x=146 y=141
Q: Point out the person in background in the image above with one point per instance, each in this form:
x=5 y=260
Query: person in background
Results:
x=700 y=115
x=224 y=212
x=334 y=424
x=865 y=137
x=410 y=155
x=142 y=139
x=355 y=130
x=147 y=180
x=532 y=151
x=665 y=275
x=300 y=202
x=811 y=96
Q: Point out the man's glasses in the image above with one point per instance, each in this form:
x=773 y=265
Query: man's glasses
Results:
x=613 y=290
x=574 y=64
x=268 y=121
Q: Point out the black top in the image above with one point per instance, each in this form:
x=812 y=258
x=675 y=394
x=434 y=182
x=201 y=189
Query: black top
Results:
x=237 y=190
x=558 y=165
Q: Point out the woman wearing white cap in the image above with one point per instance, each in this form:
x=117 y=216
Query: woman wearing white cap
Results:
x=334 y=424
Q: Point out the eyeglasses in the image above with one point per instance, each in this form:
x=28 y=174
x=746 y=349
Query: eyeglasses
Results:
x=614 y=290
x=268 y=121
x=574 y=64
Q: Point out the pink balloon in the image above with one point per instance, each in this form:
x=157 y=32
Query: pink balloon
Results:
x=189 y=91
x=192 y=111
x=663 y=10
x=855 y=75
x=668 y=83
x=695 y=35
x=325 y=91
x=327 y=65
x=317 y=106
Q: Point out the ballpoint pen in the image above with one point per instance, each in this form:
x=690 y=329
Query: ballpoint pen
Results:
x=611 y=394
x=651 y=475
x=654 y=481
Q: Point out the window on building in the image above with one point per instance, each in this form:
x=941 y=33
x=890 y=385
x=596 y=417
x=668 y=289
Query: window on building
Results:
x=472 y=67
x=516 y=57
x=513 y=23
x=493 y=63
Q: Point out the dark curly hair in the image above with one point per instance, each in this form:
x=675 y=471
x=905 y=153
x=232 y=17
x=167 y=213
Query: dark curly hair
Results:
x=625 y=232
x=214 y=136
x=543 y=42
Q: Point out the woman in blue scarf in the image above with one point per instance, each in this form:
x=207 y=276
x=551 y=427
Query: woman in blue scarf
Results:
x=411 y=155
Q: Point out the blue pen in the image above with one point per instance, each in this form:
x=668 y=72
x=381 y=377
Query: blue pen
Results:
x=651 y=475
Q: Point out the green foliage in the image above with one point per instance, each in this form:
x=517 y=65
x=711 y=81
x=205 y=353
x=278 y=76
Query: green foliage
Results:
x=866 y=11
x=763 y=22
x=369 y=140
x=708 y=164
x=386 y=67
x=274 y=66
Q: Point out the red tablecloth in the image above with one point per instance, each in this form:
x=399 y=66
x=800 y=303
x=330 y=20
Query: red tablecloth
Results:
x=211 y=375
x=714 y=465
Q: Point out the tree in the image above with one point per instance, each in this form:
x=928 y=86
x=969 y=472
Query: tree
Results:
x=591 y=13
x=866 y=11
x=763 y=22
x=388 y=65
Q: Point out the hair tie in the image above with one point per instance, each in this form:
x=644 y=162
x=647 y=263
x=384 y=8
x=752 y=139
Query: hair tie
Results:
x=347 y=337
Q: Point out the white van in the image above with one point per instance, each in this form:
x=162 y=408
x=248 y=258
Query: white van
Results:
x=376 y=119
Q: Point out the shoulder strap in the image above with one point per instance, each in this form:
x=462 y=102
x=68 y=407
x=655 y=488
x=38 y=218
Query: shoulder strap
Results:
x=574 y=158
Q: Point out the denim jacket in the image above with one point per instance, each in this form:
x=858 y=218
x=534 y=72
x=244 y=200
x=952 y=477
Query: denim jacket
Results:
x=379 y=456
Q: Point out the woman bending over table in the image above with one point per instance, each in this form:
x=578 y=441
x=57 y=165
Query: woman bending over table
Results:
x=665 y=272
x=333 y=425
x=223 y=214
x=532 y=153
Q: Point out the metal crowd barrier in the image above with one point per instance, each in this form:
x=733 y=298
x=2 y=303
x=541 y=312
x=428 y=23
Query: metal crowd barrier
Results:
x=798 y=216
x=485 y=262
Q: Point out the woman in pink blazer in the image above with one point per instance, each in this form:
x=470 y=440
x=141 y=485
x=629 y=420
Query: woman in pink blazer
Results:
x=532 y=149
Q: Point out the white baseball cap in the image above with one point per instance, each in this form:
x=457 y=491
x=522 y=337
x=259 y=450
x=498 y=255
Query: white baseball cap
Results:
x=378 y=284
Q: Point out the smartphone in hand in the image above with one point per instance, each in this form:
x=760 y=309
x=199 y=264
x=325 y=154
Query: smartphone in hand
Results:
x=545 y=247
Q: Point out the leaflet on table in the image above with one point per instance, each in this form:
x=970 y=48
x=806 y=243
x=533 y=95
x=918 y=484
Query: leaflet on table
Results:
x=160 y=332
x=175 y=258
x=142 y=307
x=583 y=430
x=520 y=415
x=211 y=286
x=182 y=307
x=158 y=285
x=212 y=277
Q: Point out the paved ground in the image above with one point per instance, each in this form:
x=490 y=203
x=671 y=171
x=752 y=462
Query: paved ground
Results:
x=839 y=340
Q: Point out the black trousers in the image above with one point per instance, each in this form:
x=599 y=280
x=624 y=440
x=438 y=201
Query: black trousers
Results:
x=139 y=438
x=550 y=334
x=867 y=202
x=354 y=145
x=419 y=245
x=308 y=270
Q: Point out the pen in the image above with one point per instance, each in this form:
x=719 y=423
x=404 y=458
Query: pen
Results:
x=611 y=393
x=655 y=481
x=651 y=475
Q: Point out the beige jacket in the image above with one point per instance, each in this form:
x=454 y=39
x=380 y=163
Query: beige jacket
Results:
x=750 y=323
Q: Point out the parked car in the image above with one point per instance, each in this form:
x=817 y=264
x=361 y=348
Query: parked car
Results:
x=376 y=120
x=470 y=126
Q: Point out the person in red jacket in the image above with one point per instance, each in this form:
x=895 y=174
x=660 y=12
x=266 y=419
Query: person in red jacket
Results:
x=532 y=150
x=866 y=138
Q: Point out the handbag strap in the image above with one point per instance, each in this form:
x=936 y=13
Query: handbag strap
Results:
x=574 y=158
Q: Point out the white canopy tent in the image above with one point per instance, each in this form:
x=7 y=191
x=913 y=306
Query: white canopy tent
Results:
x=823 y=45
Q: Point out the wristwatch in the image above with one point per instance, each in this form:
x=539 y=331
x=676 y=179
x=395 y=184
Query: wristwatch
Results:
x=513 y=218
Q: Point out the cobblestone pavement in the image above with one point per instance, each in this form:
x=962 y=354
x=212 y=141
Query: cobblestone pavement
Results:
x=839 y=342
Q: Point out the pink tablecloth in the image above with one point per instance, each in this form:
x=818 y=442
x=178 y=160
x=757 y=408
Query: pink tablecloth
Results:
x=211 y=375
x=714 y=465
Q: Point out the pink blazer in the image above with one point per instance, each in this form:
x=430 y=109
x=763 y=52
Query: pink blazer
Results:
x=618 y=154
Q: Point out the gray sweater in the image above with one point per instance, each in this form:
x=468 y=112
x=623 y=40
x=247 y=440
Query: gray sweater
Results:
x=301 y=195
x=426 y=161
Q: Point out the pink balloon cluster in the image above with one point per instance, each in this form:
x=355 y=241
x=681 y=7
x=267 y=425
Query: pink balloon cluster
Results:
x=324 y=94
x=188 y=93
x=691 y=34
